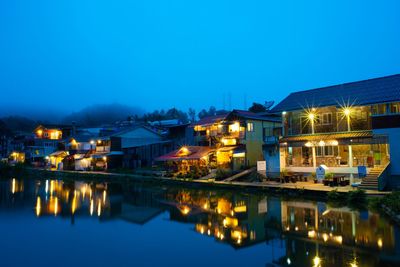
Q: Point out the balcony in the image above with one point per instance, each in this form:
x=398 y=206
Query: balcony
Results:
x=270 y=140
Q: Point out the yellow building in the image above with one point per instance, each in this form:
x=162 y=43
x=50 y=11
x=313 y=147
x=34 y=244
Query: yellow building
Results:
x=237 y=137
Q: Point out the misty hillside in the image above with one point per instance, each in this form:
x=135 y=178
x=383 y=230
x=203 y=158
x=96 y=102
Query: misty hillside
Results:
x=97 y=115
x=18 y=123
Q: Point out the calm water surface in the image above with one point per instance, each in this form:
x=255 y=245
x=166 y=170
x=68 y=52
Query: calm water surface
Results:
x=75 y=223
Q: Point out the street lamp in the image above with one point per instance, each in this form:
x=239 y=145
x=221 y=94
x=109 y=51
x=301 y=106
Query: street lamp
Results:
x=347 y=113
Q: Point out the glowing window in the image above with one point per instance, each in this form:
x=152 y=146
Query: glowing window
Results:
x=250 y=127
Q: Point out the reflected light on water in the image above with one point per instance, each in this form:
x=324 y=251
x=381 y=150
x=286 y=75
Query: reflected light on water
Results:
x=73 y=205
x=380 y=243
x=99 y=209
x=91 y=207
x=104 y=196
x=38 y=206
x=317 y=261
x=55 y=206
x=47 y=186
x=13 y=186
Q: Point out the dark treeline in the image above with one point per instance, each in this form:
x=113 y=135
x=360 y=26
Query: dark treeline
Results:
x=98 y=115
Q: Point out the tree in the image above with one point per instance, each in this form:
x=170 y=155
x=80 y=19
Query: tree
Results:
x=257 y=108
x=212 y=111
x=192 y=114
x=202 y=114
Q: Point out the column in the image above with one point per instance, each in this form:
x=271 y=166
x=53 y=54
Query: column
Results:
x=314 y=157
x=351 y=163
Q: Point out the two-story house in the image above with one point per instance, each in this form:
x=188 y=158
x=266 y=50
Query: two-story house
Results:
x=344 y=127
x=47 y=140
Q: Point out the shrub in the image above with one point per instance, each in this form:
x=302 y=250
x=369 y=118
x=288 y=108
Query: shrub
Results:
x=336 y=199
x=328 y=175
x=284 y=172
x=357 y=199
x=222 y=174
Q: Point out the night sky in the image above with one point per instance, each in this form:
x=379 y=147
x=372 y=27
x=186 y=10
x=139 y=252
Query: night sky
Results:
x=68 y=54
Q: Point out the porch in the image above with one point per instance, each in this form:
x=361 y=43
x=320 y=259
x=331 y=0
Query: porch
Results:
x=341 y=153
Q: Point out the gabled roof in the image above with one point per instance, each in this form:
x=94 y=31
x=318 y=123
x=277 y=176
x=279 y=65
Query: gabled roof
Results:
x=210 y=120
x=53 y=126
x=238 y=113
x=193 y=152
x=367 y=92
x=255 y=116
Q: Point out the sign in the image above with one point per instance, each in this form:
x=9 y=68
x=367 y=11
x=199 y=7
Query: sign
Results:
x=263 y=206
x=362 y=171
x=261 y=165
x=320 y=172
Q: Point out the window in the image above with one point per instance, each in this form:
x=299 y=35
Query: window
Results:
x=250 y=127
x=395 y=108
x=326 y=151
x=327 y=118
x=323 y=119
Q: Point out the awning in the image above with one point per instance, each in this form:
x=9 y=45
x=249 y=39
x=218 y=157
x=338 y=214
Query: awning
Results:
x=80 y=156
x=326 y=136
x=59 y=154
x=107 y=154
x=186 y=153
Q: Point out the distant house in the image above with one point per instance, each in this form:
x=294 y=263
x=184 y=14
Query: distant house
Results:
x=344 y=127
x=139 y=146
x=48 y=138
x=4 y=144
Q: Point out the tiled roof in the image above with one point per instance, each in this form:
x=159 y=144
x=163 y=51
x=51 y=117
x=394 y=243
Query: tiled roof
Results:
x=256 y=116
x=379 y=90
x=210 y=120
x=238 y=113
x=194 y=152
x=326 y=136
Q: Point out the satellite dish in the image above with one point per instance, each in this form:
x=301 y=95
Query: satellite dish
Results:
x=268 y=104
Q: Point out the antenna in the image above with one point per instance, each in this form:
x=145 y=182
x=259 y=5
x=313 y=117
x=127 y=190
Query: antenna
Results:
x=223 y=101
x=230 y=101
x=245 y=101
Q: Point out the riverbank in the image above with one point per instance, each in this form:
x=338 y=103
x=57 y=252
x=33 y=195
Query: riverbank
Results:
x=299 y=187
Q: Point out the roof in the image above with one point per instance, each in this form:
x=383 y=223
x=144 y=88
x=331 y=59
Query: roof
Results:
x=239 y=113
x=256 y=116
x=53 y=126
x=326 y=136
x=130 y=129
x=210 y=120
x=378 y=90
x=194 y=152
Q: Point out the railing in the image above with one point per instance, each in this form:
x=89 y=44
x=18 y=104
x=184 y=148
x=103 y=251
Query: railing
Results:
x=384 y=177
x=271 y=139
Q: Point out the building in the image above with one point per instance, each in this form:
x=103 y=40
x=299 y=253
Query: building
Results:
x=237 y=137
x=48 y=138
x=232 y=141
x=350 y=128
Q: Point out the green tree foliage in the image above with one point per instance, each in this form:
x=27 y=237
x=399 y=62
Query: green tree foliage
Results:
x=257 y=108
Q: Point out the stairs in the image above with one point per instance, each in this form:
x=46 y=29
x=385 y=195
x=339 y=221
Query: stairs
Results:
x=370 y=182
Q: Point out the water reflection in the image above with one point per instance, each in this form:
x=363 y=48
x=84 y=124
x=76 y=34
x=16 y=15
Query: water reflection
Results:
x=310 y=233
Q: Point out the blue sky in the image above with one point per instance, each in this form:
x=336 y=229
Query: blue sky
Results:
x=67 y=54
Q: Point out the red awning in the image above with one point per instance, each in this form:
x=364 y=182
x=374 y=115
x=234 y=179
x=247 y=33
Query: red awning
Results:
x=186 y=153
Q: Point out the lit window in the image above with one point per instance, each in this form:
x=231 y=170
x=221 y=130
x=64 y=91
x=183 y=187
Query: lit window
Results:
x=250 y=127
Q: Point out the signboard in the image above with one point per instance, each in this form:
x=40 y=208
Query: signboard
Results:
x=261 y=165
x=320 y=172
x=362 y=171
x=263 y=206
